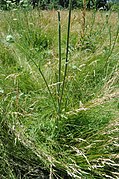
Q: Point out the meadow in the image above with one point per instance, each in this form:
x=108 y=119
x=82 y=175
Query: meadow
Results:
x=59 y=94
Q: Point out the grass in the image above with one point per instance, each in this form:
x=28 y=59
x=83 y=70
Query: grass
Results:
x=84 y=142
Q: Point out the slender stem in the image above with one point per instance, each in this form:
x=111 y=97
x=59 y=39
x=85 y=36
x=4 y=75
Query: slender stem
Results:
x=41 y=73
x=59 y=72
x=84 y=18
x=93 y=22
x=47 y=87
x=67 y=50
x=116 y=37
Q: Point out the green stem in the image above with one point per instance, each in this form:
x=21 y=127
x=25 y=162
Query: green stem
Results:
x=59 y=72
x=47 y=88
x=67 y=50
x=41 y=73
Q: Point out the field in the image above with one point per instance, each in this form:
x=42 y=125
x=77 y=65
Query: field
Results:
x=59 y=94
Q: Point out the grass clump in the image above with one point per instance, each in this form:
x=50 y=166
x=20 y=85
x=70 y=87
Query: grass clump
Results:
x=83 y=142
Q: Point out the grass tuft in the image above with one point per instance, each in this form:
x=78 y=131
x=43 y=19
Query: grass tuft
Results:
x=84 y=143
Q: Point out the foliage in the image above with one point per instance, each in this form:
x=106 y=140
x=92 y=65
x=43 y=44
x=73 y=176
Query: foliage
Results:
x=115 y=6
x=52 y=4
x=84 y=142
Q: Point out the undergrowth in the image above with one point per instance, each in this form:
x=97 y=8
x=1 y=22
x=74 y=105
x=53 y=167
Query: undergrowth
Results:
x=34 y=142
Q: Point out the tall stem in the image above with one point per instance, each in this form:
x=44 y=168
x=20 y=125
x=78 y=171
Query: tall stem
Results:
x=84 y=18
x=67 y=50
x=59 y=68
x=47 y=87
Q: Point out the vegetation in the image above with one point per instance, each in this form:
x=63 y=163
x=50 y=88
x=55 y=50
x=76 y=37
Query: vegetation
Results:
x=57 y=4
x=42 y=4
x=37 y=140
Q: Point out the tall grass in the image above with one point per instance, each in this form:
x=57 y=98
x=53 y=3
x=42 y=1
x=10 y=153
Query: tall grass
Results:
x=84 y=144
x=67 y=52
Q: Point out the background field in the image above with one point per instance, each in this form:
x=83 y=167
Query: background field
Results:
x=35 y=141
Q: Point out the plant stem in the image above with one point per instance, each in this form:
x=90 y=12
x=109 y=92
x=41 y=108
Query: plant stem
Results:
x=47 y=87
x=44 y=79
x=59 y=72
x=113 y=45
x=84 y=18
x=67 y=50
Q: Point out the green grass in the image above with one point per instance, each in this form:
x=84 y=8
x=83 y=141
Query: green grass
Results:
x=84 y=142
